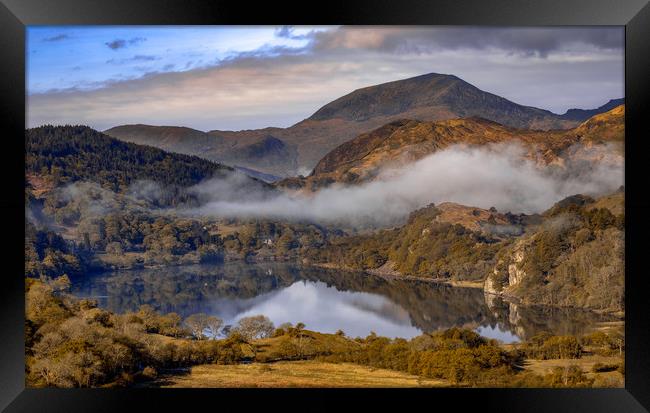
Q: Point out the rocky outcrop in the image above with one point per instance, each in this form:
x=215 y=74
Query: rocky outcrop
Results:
x=574 y=258
x=515 y=273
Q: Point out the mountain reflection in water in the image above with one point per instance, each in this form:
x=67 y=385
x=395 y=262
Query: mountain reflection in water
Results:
x=325 y=300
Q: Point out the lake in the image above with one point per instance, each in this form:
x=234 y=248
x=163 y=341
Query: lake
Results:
x=326 y=300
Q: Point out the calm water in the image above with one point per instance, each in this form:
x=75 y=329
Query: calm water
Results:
x=325 y=300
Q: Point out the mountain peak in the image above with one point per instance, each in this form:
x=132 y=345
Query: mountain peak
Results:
x=391 y=98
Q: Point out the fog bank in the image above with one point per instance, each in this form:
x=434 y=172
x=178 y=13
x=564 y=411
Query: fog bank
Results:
x=484 y=177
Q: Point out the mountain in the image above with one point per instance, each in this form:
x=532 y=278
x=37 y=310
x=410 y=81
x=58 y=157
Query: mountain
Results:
x=584 y=114
x=404 y=141
x=425 y=98
x=604 y=127
x=263 y=153
x=433 y=97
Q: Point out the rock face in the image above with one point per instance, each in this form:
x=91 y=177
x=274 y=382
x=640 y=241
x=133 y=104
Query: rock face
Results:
x=490 y=288
x=573 y=258
x=515 y=273
x=508 y=273
x=426 y=98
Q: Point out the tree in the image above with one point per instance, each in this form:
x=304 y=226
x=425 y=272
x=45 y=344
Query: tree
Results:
x=258 y=326
x=298 y=333
x=61 y=284
x=213 y=326
x=285 y=326
x=197 y=323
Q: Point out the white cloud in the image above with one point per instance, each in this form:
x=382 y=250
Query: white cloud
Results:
x=257 y=91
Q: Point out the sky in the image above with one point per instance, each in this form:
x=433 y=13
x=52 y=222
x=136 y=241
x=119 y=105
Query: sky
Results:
x=233 y=78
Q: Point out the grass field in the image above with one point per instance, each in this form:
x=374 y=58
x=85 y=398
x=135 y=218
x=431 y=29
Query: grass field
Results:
x=292 y=374
x=586 y=363
x=322 y=374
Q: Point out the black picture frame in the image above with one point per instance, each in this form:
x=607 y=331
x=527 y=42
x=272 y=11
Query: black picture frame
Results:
x=634 y=15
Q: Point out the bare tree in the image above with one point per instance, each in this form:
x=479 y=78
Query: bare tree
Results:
x=197 y=323
x=213 y=326
x=253 y=327
x=298 y=333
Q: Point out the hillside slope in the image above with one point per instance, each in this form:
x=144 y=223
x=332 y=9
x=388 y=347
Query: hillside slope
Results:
x=404 y=141
x=572 y=255
x=55 y=156
x=575 y=258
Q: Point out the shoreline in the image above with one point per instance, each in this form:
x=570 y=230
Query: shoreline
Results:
x=386 y=273
x=394 y=275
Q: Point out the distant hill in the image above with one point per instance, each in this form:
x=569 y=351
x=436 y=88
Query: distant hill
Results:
x=404 y=141
x=584 y=114
x=297 y=149
x=259 y=175
x=79 y=153
x=170 y=138
x=260 y=151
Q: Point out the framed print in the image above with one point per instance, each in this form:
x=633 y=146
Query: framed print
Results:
x=254 y=206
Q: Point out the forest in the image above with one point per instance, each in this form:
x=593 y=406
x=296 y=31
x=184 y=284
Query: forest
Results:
x=94 y=203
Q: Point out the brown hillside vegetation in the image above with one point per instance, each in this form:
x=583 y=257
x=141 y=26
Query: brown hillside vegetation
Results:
x=574 y=258
x=474 y=219
x=401 y=142
x=604 y=127
x=570 y=256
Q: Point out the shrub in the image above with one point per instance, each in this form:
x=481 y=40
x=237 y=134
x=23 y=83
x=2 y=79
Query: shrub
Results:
x=149 y=373
x=546 y=347
x=571 y=376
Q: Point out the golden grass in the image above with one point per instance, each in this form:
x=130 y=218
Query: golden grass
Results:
x=293 y=374
x=586 y=363
x=614 y=202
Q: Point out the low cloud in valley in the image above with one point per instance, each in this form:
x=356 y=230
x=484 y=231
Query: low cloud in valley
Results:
x=496 y=176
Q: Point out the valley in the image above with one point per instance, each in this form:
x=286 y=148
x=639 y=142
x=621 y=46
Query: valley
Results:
x=444 y=236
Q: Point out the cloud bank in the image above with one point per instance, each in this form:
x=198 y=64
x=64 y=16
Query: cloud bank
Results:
x=484 y=177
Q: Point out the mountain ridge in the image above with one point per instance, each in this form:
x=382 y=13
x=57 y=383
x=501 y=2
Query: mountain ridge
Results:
x=428 y=97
